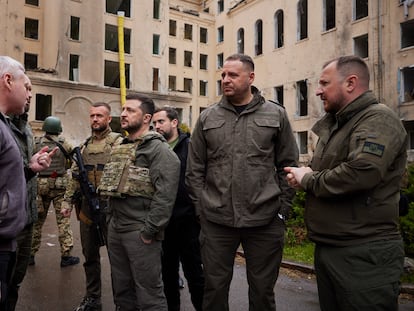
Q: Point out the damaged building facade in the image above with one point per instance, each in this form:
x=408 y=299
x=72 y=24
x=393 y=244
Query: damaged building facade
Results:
x=174 y=50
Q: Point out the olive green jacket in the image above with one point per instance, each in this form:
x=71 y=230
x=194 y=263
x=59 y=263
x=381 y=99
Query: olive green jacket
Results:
x=353 y=193
x=150 y=216
x=235 y=163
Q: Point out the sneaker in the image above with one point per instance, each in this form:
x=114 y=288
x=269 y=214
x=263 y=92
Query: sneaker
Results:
x=31 y=261
x=69 y=261
x=89 y=304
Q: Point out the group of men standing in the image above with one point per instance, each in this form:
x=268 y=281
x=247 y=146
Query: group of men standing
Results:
x=165 y=199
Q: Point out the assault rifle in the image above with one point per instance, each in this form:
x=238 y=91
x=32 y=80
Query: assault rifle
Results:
x=88 y=191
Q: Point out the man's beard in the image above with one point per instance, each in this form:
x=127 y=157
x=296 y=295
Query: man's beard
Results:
x=99 y=129
x=167 y=135
x=133 y=127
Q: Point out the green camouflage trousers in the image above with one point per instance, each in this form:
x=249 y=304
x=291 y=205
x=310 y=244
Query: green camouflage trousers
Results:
x=55 y=197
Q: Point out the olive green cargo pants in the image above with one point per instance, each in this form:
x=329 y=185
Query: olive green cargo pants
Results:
x=363 y=277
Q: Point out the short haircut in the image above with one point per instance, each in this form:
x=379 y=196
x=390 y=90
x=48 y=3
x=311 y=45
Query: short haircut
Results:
x=11 y=66
x=171 y=112
x=245 y=59
x=147 y=104
x=351 y=64
x=102 y=104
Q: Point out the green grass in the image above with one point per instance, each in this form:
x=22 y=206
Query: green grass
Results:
x=302 y=253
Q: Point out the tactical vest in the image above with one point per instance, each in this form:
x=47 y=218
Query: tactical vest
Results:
x=59 y=163
x=121 y=177
x=96 y=155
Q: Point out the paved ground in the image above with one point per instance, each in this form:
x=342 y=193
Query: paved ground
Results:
x=48 y=287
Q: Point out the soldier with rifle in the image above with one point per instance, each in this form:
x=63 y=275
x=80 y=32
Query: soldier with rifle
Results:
x=89 y=161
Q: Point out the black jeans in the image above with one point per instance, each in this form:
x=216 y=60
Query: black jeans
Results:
x=181 y=243
x=7 y=260
x=24 y=247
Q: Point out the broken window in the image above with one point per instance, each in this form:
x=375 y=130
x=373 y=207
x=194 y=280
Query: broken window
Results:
x=43 y=106
x=220 y=60
x=188 y=31
x=188 y=58
x=361 y=46
x=172 y=83
x=279 y=94
x=113 y=6
x=31 y=28
x=30 y=61
x=157 y=9
x=303 y=142
x=74 y=67
x=360 y=9
x=409 y=127
x=111 y=39
x=407 y=84
x=111 y=74
x=203 y=88
x=220 y=34
x=278 y=20
x=240 y=41
x=155 y=78
x=329 y=14
x=302 y=98
x=219 y=90
x=172 y=56
x=203 y=35
x=74 y=27
x=32 y=2
x=407 y=34
x=220 y=6
x=302 y=19
x=258 y=38
x=173 y=28
x=155 y=44
x=188 y=85
x=203 y=61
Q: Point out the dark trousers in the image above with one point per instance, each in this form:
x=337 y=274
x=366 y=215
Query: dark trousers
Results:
x=7 y=260
x=92 y=264
x=263 y=247
x=363 y=277
x=136 y=272
x=24 y=247
x=181 y=243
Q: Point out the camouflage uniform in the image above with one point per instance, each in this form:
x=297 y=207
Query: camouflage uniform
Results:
x=95 y=153
x=51 y=189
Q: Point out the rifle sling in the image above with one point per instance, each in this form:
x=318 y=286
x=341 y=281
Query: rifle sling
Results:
x=60 y=146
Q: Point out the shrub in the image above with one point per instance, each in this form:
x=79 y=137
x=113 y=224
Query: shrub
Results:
x=407 y=221
x=296 y=231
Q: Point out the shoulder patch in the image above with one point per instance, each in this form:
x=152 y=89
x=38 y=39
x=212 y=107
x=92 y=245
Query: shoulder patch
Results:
x=373 y=148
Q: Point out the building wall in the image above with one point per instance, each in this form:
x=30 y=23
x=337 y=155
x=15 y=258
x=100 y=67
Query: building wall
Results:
x=297 y=60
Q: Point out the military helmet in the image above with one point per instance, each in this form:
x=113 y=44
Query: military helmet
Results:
x=52 y=125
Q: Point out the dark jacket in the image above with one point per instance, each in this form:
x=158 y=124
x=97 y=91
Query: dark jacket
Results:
x=183 y=206
x=12 y=188
x=353 y=193
x=24 y=137
x=235 y=163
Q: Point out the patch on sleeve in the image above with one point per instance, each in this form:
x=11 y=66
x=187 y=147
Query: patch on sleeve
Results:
x=373 y=148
